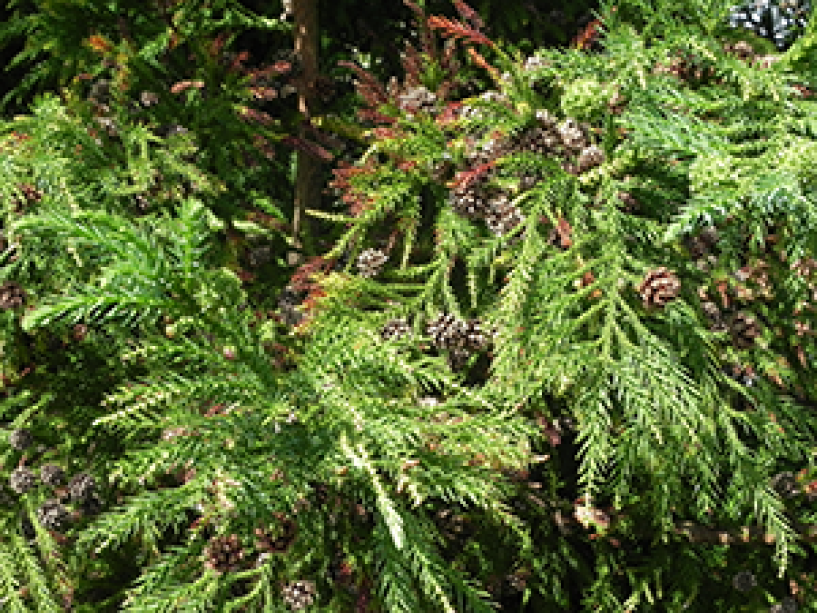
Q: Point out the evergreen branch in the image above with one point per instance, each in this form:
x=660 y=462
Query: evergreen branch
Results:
x=130 y=310
x=145 y=516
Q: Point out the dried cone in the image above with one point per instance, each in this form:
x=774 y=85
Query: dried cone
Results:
x=12 y=295
x=52 y=515
x=744 y=581
x=572 y=135
x=52 y=475
x=453 y=525
x=702 y=243
x=545 y=118
x=476 y=339
x=31 y=195
x=20 y=439
x=787 y=605
x=714 y=316
x=745 y=329
x=590 y=157
x=395 y=329
x=417 y=99
x=458 y=358
x=541 y=141
x=91 y=506
x=503 y=216
x=447 y=331
x=741 y=49
x=471 y=202
x=659 y=287
x=224 y=554
x=81 y=487
x=785 y=484
x=629 y=202
x=278 y=538
x=370 y=262
x=21 y=480
x=298 y=595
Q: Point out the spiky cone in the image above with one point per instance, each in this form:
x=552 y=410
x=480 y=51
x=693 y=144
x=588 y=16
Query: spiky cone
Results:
x=701 y=244
x=518 y=580
x=503 y=216
x=370 y=262
x=572 y=135
x=590 y=157
x=52 y=515
x=458 y=358
x=52 y=475
x=417 y=99
x=30 y=193
x=787 y=605
x=744 y=581
x=745 y=375
x=714 y=317
x=476 y=338
x=628 y=202
x=81 y=487
x=20 y=439
x=785 y=484
x=538 y=140
x=224 y=554
x=546 y=119
x=22 y=480
x=395 y=330
x=471 y=202
x=278 y=538
x=659 y=287
x=454 y=525
x=447 y=331
x=754 y=282
x=745 y=328
x=300 y=594
x=740 y=49
x=90 y=506
x=12 y=295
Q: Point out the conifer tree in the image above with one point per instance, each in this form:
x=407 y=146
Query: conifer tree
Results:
x=560 y=357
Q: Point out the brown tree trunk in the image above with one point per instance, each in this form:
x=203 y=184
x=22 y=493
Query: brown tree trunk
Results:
x=307 y=179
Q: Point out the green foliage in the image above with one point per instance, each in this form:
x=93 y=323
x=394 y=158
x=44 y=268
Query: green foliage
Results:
x=560 y=356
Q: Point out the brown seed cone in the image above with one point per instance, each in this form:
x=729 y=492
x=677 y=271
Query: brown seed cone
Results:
x=299 y=594
x=52 y=515
x=503 y=216
x=81 y=487
x=370 y=262
x=21 y=439
x=224 y=554
x=52 y=475
x=745 y=329
x=472 y=202
x=572 y=135
x=628 y=202
x=659 y=287
x=590 y=157
x=740 y=49
x=395 y=329
x=447 y=331
x=21 y=480
x=12 y=295
x=277 y=538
